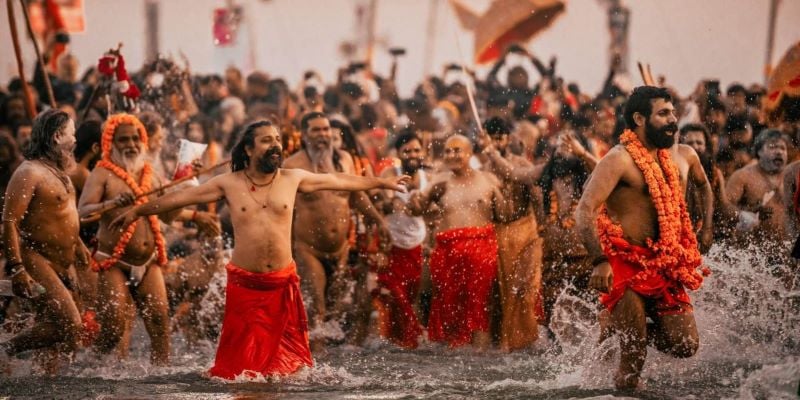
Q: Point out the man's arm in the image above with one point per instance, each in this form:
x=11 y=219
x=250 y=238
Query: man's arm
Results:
x=311 y=182
x=604 y=179
x=700 y=180
x=24 y=182
x=205 y=193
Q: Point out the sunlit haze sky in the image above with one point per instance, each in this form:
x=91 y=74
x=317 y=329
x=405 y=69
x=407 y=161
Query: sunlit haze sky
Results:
x=685 y=40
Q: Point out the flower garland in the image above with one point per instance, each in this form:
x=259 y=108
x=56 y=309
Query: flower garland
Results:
x=675 y=254
x=143 y=186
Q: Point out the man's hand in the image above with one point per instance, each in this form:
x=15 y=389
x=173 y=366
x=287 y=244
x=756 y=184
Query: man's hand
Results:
x=124 y=199
x=574 y=145
x=397 y=183
x=602 y=278
x=123 y=220
x=437 y=191
x=207 y=223
x=24 y=286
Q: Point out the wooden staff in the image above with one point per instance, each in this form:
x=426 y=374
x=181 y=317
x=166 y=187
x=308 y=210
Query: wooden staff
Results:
x=26 y=90
x=45 y=76
x=99 y=213
x=647 y=75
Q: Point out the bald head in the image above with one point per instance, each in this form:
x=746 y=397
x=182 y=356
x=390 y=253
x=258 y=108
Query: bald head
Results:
x=457 y=152
x=460 y=141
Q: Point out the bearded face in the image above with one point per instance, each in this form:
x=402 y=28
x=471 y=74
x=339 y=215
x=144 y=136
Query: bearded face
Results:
x=662 y=137
x=127 y=150
x=320 y=152
x=271 y=160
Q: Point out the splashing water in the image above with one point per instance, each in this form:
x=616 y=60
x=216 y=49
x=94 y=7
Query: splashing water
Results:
x=747 y=320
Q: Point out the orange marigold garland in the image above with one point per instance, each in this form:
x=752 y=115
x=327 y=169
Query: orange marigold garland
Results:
x=675 y=254
x=139 y=188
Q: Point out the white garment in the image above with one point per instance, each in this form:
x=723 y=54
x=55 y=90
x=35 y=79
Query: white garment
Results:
x=407 y=231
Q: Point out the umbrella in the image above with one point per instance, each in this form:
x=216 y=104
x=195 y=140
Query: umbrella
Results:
x=785 y=80
x=506 y=22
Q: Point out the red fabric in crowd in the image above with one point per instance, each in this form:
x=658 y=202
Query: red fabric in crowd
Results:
x=265 y=329
x=463 y=268
x=401 y=280
x=670 y=297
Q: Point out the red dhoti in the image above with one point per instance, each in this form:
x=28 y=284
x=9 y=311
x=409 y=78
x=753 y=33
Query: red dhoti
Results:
x=662 y=295
x=397 y=290
x=265 y=329
x=463 y=268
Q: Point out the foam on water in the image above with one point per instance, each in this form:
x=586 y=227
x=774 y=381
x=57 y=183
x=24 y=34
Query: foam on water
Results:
x=747 y=320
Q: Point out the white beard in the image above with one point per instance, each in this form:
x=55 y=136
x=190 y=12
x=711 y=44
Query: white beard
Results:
x=321 y=160
x=130 y=164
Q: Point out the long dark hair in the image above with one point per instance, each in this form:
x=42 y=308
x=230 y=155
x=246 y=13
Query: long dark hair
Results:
x=43 y=136
x=569 y=167
x=239 y=158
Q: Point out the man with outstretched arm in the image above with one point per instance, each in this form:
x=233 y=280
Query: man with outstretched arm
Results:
x=265 y=329
x=633 y=221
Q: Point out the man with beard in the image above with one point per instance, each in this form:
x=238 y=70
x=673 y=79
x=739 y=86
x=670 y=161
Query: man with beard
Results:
x=756 y=191
x=518 y=243
x=633 y=222
x=265 y=330
x=464 y=263
x=322 y=224
x=127 y=261
x=399 y=281
x=40 y=237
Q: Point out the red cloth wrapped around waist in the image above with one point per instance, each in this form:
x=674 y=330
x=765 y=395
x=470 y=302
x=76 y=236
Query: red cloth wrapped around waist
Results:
x=668 y=293
x=470 y=232
x=265 y=328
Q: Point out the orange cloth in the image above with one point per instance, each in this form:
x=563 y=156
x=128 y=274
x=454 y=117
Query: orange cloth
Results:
x=520 y=282
x=398 y=287
x=463 y=268
x=670 y=296
x=265 y=329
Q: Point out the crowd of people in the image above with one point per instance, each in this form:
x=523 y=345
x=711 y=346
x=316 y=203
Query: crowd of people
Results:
x=404 y=218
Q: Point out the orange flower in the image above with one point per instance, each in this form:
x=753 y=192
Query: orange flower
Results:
x=110 y=127
x=675 y=255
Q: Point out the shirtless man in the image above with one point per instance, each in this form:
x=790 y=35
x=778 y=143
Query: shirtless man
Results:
x=127 y=262
x=322 y=224
x=756 y=190
x=399 y=282
x=465 y=257
x=264 y=311
x=625 y=198
x=519 y=244
x=40 y=237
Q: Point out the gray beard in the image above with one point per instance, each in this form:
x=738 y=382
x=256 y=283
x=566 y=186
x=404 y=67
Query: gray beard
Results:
x=131 y=165
x=321 y=160
x=66 y=159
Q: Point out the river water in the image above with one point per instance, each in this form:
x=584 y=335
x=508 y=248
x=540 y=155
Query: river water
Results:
x=749 y=327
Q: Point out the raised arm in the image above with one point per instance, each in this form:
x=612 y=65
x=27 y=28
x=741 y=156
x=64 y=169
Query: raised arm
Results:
x=311 y=182
x=604 y=179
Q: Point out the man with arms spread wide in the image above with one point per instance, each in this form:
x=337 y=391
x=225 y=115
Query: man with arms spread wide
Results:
x=127 y=261
x=633 y=221
x=40 y=237
x=265 y=328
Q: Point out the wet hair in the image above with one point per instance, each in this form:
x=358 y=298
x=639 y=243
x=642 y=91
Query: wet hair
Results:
x=765 y=136
x=406 y=136
x=641 y=101
x=308 y=117
x=43 y=135
x=349 y=142
x=239 y=158
x=86 y=136
x=497 y=126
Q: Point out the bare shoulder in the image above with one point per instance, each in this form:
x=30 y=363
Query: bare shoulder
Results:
x=490 y=178
x=687 y=152
x=616 y=158
x=296 y=160
x=519 y=161
x=792 y=169
x=388 y=173
x=742 y=174
x=347 y=162
x=295 y=174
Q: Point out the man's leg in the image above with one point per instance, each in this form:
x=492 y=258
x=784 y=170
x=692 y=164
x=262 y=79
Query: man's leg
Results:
x=151 y=300
x=675 y=335
x=629 y=321
x=114 y=312
x=58 y=319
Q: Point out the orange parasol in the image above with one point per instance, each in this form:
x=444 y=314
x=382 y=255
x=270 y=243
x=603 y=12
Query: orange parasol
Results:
x=784 y=80
x=506 y=22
